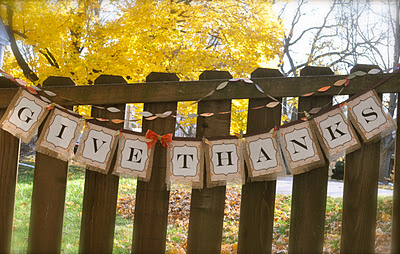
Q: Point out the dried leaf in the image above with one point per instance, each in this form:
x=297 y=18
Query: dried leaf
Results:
x=49 y=93
x=145 y=114
x=113 y=109
x=315 y=110
x=374 y=71
x=340 y=82
x=151 y=118
x=259 y=88
x=324 y=89
x=307 y=94
x=222 y=85
x=272 y=104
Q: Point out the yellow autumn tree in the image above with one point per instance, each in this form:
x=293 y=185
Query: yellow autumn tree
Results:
x=83 y=39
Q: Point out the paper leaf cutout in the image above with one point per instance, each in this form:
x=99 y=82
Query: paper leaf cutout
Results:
x=192 y=115
x=351 y=76
x=222 y=85
x=209 y=94
x=224 y=113
x=49 y=93
x=31 y=90
x=249 y=81
x=324 y=89
x=207 y=114
x=360 y=73
x=7 y=76
x=21 y=82
x=374 y=71
x=272 y=104
x=151 y=118
x=35 y=87
x=259 y=107
x=113 y=109
x=45 y=99
x=315 y=110
x=272 y=98
x=340 y=82
x=347 y=82
x=165 y=114
x=102 y=119
x=259 y=88
x=117 y=121
x=99 y=107
x=145 y=114
x=234 y=79
x=307 y=94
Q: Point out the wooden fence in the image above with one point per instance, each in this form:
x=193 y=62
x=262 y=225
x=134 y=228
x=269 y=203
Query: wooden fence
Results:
x=162 y=93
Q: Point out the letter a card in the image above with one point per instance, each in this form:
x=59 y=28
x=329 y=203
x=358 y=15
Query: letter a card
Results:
x=300 y=147
x=185 y=163
x=262 y=156
x=133 y=157
x=97 y=147
x=60 y=134
x=224 y=161
x=368 y=117
x=24 y=115
x=335 y=133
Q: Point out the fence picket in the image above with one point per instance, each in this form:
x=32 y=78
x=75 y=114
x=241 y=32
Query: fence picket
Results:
x=307 y=221
x=207 y=205
x=48 y=195
x=9 y=154
x=258 y=198
x=100 y=193
x=152 y=198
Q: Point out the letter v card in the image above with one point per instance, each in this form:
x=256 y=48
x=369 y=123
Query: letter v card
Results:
x=335 y=133
x=185 y=163
x=369 y=118
x=96 y=147
x=60 y=134
x=262 y=155
x=300 y=147
x=24 y=115
x=133 y=157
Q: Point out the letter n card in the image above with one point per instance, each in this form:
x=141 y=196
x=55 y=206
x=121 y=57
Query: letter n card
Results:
x=300 y=147
x=368 y=117
x=24 y=115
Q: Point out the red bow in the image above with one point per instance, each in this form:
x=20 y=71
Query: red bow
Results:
x=154 y=137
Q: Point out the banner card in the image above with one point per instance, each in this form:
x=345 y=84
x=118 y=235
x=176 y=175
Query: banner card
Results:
x=59 y=135
x=224 y=160
x=24 y=115
x=300 y=147
x=262 y=155
x=185 y=163
x=335 y=134
x=96 y=147
x=368 y=117
x=133 y=157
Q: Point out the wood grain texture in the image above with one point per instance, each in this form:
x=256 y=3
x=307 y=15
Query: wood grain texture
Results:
x=258 y=198
x=100 y=194
x=207 y=205
x=48 y=195
x=193 y=90
x=396 y=191
x=309 y=192
x=9 y=155
x=152 y=198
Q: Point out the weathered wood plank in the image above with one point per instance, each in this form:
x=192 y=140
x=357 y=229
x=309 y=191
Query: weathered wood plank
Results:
x=207 y=205
x=152 y=198
x=396 y=191
x=258 y=198
x=100 y=194
x=9 y=154
x=193 y=90
x=360 y=194
x=48 y=195
x=307 y=220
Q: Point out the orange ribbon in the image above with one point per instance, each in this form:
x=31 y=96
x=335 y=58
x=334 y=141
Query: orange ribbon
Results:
x=154 y=137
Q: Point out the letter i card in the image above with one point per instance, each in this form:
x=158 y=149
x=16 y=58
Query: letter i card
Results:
x=369 y=118
x=24 y=115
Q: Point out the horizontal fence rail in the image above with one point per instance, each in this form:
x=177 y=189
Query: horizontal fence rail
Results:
x=162 y=92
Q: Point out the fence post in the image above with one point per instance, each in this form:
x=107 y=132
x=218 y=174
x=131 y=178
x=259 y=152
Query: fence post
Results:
x=48 y=195
x=360 y=194
x=100 y=192
x=258 y=198
x=207 y=205
x=396 y=189
x=309 y=192
x=9 y=154
x=152 y=198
